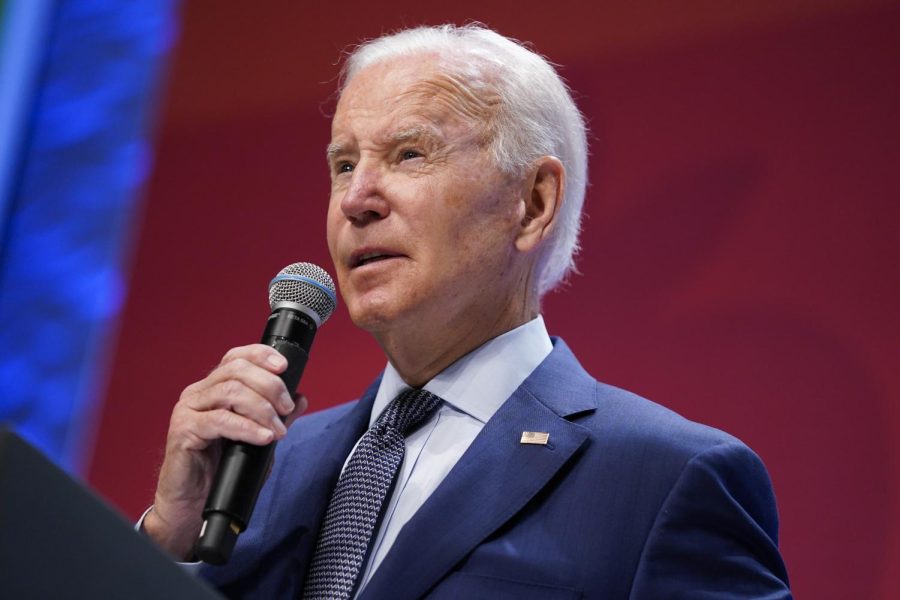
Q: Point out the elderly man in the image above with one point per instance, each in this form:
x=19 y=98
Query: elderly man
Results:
x=458 y=163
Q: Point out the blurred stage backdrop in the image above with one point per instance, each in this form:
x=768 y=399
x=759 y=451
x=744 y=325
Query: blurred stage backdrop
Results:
x=160 y=161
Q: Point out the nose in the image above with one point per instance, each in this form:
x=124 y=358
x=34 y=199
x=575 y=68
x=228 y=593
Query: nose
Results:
x=364 y=200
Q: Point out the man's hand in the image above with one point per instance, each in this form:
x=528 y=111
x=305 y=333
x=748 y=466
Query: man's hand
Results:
x=243 y=399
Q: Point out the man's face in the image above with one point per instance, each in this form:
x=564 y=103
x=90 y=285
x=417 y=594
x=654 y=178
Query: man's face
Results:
x=421 y=222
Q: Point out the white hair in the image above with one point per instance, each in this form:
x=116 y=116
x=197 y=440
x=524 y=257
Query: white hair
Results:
x=536 y=116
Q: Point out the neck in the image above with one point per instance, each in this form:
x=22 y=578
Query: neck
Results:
x=420 y=351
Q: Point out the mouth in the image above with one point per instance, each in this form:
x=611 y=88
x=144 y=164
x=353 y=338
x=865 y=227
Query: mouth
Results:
x=365 y=256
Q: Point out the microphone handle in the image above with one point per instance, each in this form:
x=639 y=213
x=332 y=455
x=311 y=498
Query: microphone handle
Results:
x=243 y=467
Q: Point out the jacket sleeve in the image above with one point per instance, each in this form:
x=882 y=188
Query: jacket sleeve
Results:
x=716 y=534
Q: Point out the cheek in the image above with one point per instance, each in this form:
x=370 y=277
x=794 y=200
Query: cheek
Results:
x=332 y=225
x=491 y=221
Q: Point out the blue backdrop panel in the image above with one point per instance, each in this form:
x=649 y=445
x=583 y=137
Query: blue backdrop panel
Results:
x=84 y=159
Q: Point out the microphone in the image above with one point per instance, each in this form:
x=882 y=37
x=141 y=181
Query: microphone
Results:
x=302 y=297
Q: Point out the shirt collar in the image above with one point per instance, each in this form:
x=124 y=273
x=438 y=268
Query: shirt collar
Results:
x=481 y=381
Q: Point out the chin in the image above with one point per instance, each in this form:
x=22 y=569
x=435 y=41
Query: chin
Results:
x=373 y=314
x=380 y=307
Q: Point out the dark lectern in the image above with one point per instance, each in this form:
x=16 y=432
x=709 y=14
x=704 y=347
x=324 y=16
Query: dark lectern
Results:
x=58 y=540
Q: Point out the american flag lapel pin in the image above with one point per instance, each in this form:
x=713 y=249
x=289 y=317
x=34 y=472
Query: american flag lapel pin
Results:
x=535 y=437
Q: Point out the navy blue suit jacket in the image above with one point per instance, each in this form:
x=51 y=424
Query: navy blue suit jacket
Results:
x=627 y=500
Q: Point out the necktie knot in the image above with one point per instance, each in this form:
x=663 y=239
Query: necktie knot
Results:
x=408 y=411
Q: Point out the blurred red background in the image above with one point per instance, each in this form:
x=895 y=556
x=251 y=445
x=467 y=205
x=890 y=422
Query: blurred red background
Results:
x=741 y=226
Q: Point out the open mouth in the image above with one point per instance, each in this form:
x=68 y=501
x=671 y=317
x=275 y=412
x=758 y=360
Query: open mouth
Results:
x=366 y=258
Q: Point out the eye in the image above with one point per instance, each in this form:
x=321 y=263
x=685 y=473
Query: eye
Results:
x=410 y=154
x=344 y=167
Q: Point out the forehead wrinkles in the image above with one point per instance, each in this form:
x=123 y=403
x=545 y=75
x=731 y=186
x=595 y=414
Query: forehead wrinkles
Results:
x=453 y=94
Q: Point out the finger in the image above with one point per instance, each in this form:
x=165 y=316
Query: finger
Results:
x=302 y=403
x=222 y=423
x=236 y=382
x=266 y=384
x=234 y=396
x=191 y=429
x=259 y=354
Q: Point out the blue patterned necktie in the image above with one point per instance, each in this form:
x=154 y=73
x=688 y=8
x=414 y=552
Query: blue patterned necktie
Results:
x=358 y=500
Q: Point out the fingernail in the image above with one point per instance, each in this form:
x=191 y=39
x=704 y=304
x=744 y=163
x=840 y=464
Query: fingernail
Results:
x=266 y=435
x=287 y=403
x=279 y=426
x=276 y=360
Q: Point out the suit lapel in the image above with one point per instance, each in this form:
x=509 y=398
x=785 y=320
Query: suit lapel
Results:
x=493 y=480
x=310 y=472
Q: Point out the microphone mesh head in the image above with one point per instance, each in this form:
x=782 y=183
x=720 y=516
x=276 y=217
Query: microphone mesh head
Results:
x=307 y=285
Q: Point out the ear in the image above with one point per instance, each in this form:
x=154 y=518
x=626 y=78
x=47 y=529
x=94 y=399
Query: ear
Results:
x=543 y=198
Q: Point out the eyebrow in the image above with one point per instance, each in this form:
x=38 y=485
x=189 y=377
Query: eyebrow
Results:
x=333 y=150
x=415 y=132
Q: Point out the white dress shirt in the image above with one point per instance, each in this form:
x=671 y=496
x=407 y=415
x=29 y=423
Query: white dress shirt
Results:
x=473 y=388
